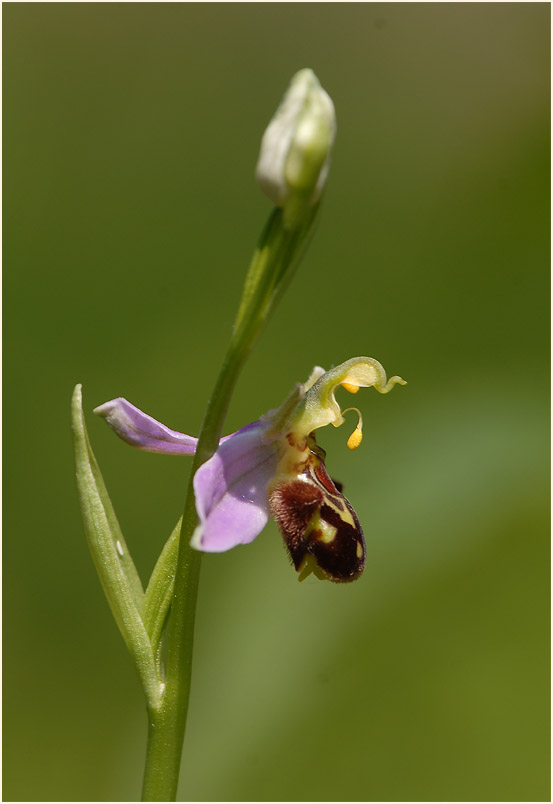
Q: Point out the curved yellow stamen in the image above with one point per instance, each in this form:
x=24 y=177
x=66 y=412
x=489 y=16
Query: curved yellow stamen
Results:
x=350 y=387
x=357 y=436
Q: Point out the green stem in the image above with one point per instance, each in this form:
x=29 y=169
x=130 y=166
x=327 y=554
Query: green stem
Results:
x=167 y=722
x=276 y=257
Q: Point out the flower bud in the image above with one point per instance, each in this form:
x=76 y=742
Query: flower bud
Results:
x=295 y=149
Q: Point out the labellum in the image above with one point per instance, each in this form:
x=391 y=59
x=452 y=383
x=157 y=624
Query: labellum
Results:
x=320 y=528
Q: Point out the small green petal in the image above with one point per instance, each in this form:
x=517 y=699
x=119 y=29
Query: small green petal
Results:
x=320 y=407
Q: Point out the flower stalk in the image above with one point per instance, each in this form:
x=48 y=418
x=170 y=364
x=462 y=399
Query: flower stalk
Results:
x=292 y=170
x=277 y=255
x=279 y=251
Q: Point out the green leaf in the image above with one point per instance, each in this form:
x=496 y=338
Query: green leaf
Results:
x=111 y=556
x=159 y=593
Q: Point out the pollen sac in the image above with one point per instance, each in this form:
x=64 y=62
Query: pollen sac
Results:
x=319 y=526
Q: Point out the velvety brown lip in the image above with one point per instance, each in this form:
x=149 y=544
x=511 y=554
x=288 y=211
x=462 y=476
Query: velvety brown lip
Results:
x=312 y=497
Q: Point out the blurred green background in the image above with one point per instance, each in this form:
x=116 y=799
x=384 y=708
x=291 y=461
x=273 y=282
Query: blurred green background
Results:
x=130 y=214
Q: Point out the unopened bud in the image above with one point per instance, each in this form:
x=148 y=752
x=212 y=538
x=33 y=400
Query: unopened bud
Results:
x=295 y=149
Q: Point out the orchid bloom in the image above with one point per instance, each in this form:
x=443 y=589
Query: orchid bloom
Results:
x=273 y=466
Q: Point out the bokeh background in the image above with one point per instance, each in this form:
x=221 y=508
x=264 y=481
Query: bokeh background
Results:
x=130 y=214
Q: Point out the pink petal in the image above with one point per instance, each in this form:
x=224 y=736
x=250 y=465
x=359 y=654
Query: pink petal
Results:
x=142 y=431
x=231 y=491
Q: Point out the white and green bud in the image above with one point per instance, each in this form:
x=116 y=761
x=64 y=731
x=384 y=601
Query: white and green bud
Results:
x=295 y=150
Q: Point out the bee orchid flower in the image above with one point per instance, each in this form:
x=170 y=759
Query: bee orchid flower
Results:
x=273 y=466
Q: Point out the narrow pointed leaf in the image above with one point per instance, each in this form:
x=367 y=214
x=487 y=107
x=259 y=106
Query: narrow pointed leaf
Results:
x=159 y=592
x=111 y=556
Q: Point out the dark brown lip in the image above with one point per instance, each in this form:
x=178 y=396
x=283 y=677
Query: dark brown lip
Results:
x=299 y=504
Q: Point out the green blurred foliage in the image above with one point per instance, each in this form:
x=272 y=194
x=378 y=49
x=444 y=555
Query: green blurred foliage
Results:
x=130 y=213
